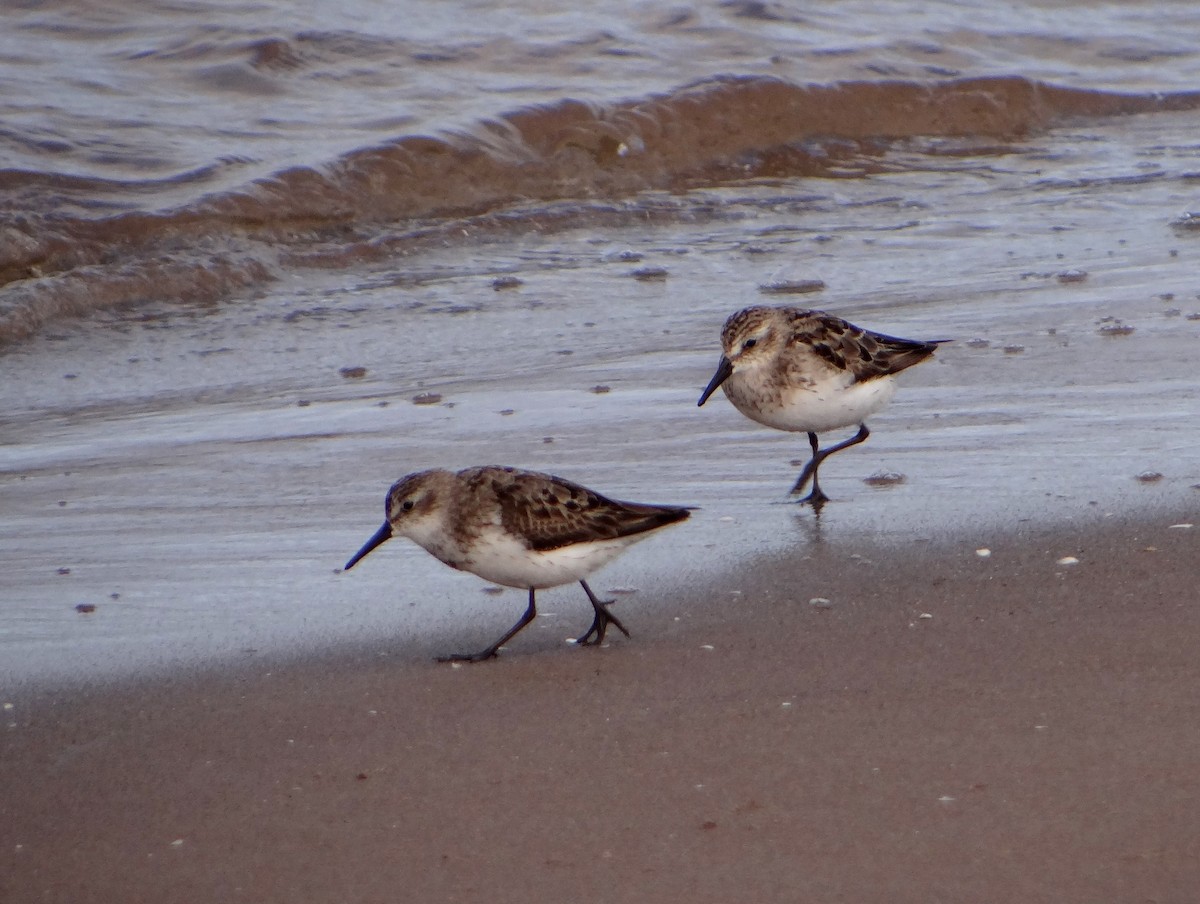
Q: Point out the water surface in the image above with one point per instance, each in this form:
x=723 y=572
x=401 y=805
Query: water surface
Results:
x=212 y=215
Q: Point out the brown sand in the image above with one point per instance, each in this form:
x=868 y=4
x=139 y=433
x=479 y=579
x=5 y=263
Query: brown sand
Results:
x=1036 y=739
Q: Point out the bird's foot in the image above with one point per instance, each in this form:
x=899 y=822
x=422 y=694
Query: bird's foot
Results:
x=600 y=625
x=816 y=499
x=482 y=655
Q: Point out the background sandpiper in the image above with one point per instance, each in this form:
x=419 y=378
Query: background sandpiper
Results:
x=808 y=371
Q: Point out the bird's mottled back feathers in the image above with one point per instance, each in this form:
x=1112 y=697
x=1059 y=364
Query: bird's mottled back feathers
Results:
x=549 y=512
x=863 y=353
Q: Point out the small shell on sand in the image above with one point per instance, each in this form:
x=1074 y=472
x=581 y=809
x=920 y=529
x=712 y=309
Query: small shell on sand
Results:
x=793 y=287
x=650 y=274
x=884 y=479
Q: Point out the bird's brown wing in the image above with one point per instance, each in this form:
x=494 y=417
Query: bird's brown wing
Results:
x=550 y=512
x=863 y=353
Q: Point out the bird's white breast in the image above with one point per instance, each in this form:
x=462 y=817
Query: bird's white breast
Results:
x=824 y=404
x=502 y=558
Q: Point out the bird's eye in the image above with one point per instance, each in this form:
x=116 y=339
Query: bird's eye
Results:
x=749 y=343
x=406 y=505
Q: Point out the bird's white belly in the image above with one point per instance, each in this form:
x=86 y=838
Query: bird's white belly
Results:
x=827 y=405
x=502 y=559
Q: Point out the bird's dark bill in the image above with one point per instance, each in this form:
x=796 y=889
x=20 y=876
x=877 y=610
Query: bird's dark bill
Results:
x=724 y=369
x=381 y=536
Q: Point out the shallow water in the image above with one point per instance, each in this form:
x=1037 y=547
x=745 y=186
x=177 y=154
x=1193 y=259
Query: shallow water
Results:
x=200 y=154
x=177 y=429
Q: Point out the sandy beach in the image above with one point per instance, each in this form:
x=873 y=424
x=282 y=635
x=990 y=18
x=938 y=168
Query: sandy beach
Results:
x=949 y=727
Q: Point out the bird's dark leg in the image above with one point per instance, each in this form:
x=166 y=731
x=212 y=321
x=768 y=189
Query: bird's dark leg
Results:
x=530 y=614
x=602 y=620
x=809 y=469
x=817 y=498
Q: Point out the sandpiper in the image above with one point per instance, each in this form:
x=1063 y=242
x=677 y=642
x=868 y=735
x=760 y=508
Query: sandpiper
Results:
x=808 y=372
x=519 y=529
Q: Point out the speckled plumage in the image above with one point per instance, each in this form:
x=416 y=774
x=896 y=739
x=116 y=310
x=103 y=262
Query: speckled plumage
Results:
x=808 y=371
x=517 y=528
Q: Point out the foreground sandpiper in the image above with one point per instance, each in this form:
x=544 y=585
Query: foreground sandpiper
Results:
x=808 y=372
x=520 y=529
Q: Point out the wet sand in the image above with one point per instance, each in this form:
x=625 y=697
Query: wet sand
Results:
x=1033 y=739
